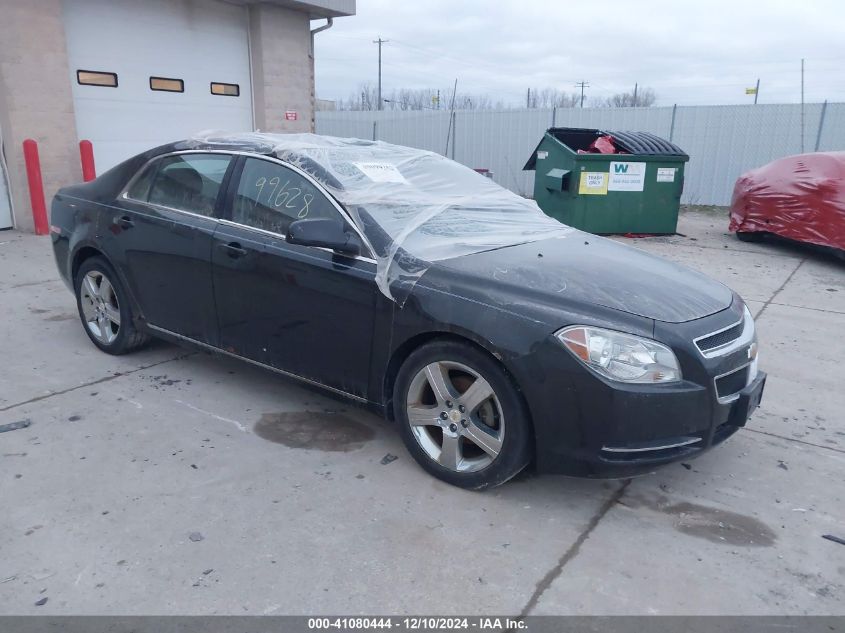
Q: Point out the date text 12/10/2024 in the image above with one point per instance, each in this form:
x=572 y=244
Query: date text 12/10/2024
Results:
x=417 y=623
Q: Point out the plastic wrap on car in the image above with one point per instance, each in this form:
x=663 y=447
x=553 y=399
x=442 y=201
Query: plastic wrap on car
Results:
x=797 y=197
x=414 y=206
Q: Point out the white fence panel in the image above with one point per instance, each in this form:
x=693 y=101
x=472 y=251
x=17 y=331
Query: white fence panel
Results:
x=501 y=141
x=722 y=141
x=725 y=141
x=832 y=136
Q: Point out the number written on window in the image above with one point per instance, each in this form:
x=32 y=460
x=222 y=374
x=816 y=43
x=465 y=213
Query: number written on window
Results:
x=286 y=194
x=271 y=196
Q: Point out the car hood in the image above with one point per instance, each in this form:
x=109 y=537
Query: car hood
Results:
x=587 y=269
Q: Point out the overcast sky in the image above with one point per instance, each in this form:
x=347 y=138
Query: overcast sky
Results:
x=703 y=52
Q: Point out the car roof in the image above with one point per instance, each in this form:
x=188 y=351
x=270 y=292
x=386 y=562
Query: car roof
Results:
x=191 y=144
x=259 y=144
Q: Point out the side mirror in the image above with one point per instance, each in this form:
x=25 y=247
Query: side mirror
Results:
x=324 y=232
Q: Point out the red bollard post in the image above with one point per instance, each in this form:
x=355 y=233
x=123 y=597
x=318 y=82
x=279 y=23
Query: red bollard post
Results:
x=36 y=187
x=86 y=156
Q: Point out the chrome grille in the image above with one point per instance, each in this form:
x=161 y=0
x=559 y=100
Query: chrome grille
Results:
x=719 y=339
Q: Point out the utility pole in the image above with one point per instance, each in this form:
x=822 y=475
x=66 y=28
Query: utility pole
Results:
x=528 y=99
x=582 y=84
x=802 y=105
x=756 y=92
x=635 y=95
x=379 y=41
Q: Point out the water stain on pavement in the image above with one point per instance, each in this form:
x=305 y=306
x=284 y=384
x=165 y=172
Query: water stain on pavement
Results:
x=719 y=526
x=322 y=431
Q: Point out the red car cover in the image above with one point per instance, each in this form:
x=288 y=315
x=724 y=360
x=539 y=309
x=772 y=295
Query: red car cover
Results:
x=798 y=197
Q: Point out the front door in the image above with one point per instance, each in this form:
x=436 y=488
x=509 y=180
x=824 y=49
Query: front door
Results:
x=304 y=310
x=160 y=237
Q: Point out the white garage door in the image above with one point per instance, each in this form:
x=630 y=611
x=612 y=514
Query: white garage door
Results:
x=147 y=73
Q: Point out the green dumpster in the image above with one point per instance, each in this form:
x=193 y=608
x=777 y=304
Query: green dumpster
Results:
x=635 y=189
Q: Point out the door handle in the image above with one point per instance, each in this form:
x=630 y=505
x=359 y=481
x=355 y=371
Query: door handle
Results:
x=233 y=249
x=124 y=221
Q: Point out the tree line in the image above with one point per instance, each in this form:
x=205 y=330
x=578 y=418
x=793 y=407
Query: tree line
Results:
x=366 y=98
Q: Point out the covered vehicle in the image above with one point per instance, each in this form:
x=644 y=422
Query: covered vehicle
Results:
x=493 y=335
x=798 y=197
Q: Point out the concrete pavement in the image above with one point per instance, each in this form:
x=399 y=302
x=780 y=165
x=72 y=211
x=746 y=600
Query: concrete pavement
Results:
x=176 y=482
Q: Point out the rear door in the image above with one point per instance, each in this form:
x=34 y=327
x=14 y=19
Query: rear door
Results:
x=304 y=310
x=161 y=238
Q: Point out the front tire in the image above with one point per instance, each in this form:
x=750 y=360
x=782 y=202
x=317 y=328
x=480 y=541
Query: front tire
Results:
x=461 y=416
x=104 y=308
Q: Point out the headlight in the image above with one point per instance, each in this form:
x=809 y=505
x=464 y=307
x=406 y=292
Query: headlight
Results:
x=621 y=356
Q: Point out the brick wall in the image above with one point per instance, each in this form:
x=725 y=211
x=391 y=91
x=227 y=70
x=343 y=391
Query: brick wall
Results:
x=35 y=99
x=282 y=68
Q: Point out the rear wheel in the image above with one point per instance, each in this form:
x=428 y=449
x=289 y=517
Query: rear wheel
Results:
x=461 y=416
x=104 y=308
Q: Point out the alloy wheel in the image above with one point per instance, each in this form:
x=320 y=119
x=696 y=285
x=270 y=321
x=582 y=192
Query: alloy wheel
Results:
x=455 y=416
x=100 y=307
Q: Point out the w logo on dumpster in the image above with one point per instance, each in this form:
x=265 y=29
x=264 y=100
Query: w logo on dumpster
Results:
x=626 y=176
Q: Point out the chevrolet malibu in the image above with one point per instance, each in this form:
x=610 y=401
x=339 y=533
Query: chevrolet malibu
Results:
x=493 y=336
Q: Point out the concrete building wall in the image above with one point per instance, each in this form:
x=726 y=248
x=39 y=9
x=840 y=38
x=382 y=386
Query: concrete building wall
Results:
x=282 y=68
x=35 y=99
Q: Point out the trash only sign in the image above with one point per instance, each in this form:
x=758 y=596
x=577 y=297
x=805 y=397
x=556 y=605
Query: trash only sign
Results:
x=593 y=183
x=626 y=176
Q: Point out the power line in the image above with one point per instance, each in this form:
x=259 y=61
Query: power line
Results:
x=773 y=77
x=497 y=67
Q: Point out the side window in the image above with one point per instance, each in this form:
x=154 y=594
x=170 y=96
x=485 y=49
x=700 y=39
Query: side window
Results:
x=271 y=196
x=140 y=188
x=188 y=182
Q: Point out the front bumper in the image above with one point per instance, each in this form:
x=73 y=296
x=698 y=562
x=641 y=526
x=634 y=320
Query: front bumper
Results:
x=591 y=427
x=632 y=458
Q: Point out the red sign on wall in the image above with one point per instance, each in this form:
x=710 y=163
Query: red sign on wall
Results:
x=290 y=115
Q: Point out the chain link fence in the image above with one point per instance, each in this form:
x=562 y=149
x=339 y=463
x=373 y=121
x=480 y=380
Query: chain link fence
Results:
x=722 y=141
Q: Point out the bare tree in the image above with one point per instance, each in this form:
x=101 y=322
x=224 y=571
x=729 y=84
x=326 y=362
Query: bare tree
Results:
x=553 y=98
x=644 y=98
x=366 y=98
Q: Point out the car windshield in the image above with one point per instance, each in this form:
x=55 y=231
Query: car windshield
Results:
x=414 y=206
